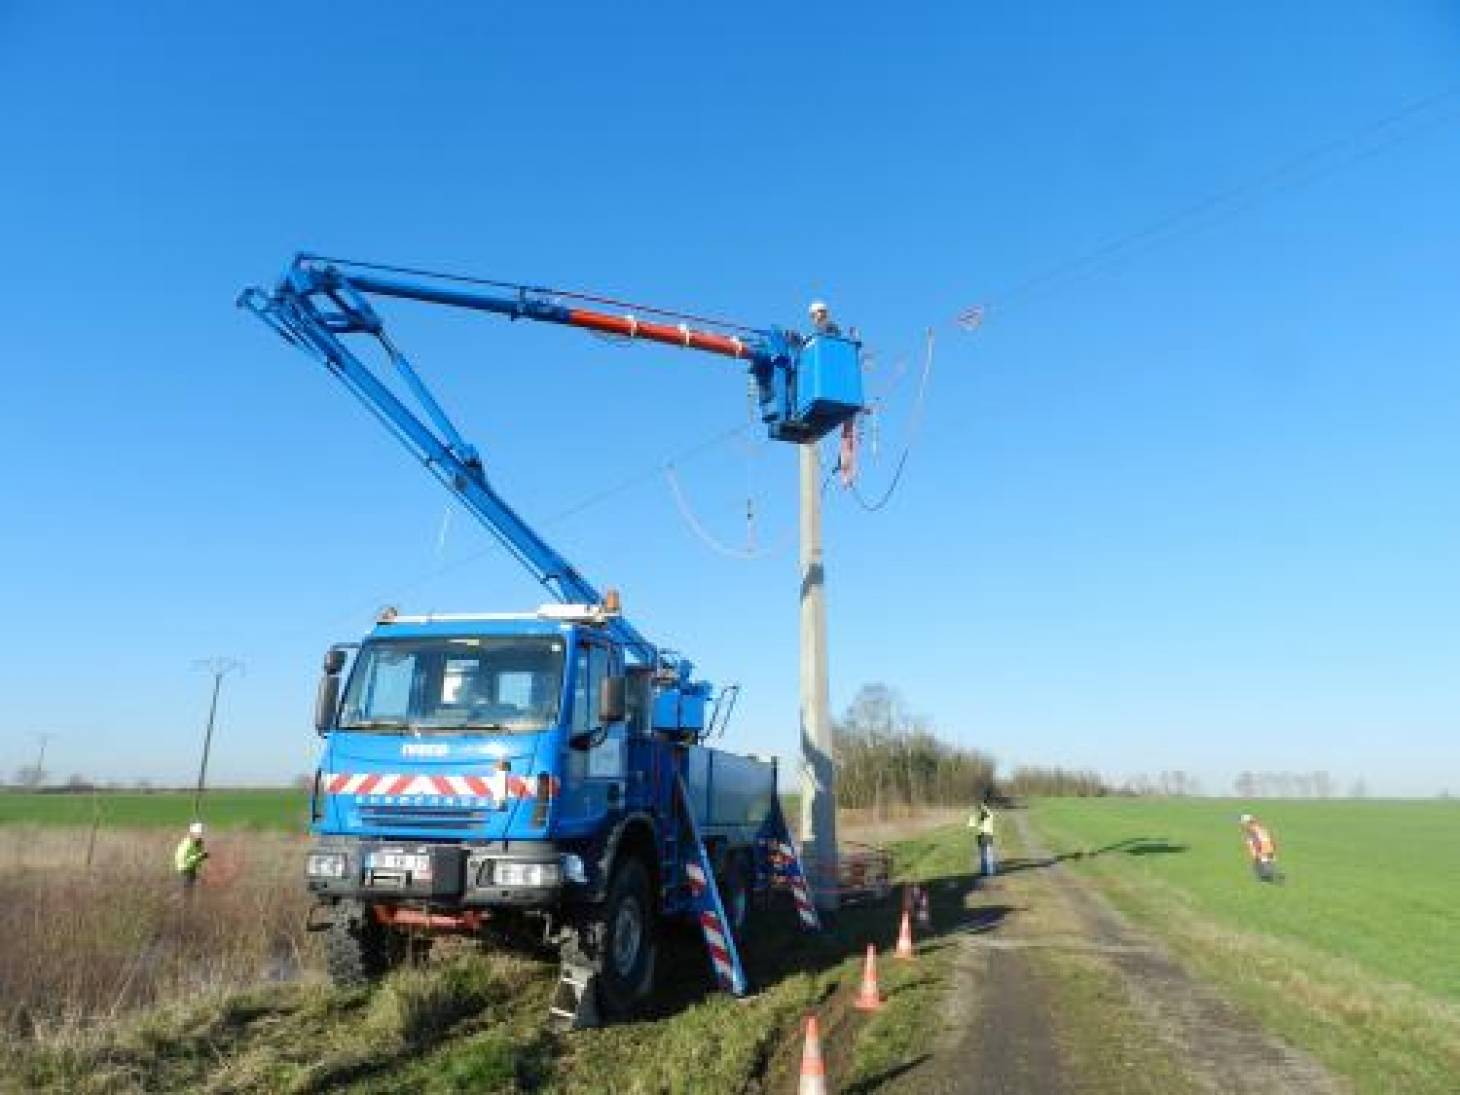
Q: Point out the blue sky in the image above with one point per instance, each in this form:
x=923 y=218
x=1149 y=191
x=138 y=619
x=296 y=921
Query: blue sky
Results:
x=1191 y=507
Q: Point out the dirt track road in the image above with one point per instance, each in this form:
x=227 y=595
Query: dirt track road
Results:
x=1056 y=992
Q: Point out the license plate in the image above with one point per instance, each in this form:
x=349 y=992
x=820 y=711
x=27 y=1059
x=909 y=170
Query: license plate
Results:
x=400 y=861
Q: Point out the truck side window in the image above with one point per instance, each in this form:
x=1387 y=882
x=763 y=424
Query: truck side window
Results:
x=597 y=670
x=636 y=702
x=589 y=669
x=582 y=696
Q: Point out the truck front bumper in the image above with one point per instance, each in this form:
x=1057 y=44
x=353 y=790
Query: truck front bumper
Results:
x=512 y=874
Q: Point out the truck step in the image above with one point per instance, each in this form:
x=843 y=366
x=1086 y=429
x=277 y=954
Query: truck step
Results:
x=575 y=1000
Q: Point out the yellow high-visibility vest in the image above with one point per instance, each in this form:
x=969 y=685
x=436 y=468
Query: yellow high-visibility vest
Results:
x=189 y=855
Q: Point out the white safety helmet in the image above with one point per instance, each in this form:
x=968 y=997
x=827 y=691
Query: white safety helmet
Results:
x=1247 y=819
x=195 y=829
x=818 y=308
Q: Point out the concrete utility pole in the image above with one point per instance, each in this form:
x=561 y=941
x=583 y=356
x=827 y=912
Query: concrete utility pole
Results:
x=218 y=668
x=818 y=765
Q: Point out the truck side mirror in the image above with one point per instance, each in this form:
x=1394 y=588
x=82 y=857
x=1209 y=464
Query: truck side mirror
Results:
x=611 y=700
x=326 y=703
x=334 y=660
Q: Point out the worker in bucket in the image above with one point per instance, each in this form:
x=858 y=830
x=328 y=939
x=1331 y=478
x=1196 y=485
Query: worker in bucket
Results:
x=982 y=821
x=188 y=859
x=821 y=319
x=1261 y=847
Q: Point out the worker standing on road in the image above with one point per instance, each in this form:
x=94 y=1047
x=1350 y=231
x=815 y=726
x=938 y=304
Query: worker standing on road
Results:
x=982 y=820
x=188 y=859
x=1261 y=847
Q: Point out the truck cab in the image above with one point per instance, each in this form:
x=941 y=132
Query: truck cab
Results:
x=518 y=771
x=473 y=759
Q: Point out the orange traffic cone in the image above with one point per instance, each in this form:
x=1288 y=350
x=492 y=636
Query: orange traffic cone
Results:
x=813 y=1068
x=870 y=996
x=904 y=940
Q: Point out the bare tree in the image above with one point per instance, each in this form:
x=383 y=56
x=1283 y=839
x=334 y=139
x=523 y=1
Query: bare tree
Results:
x=30 y=776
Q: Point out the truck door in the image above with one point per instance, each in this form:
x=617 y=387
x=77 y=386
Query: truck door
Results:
x=640 y=788
x=595 y=775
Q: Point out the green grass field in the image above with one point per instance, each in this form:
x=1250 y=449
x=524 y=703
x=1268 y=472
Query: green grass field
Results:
x=285 y=810
x=1352 y=957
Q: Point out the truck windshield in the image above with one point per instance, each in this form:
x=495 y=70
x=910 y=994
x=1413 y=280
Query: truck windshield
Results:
x=487 y=685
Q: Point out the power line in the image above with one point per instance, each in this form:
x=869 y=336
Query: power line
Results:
x=692 y=452
x=686 y=512
x=1302 y=169
x=915 y=420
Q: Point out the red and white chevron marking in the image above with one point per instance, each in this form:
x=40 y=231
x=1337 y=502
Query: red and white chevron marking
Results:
x=714 y=931
x=498 y=785
x=719 y=955
x=800 y=892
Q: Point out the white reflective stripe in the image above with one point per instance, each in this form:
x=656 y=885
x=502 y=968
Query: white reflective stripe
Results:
x=352 y=784
x=459 y=785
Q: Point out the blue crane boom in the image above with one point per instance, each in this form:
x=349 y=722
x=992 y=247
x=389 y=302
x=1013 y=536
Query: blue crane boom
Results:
x=515 y=765
x=806 y=386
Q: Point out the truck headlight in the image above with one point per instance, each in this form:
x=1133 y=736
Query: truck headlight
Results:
x=506 y=872
x=325 y=865
x=573 y=869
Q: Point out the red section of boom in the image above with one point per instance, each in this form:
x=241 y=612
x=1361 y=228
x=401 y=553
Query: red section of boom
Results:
x=681 y=335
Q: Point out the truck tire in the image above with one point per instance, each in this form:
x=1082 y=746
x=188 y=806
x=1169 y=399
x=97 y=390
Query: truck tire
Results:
x=623 y=941
x=358 y=948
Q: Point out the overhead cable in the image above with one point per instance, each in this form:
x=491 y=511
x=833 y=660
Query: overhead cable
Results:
x=914 y=424
x=1304 y=168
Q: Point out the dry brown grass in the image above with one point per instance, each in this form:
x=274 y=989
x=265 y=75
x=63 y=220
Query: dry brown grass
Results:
x=88 y=944
x=868 y=826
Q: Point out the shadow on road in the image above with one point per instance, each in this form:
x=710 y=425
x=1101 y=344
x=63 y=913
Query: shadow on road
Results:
x=774 y=948
x=1135 y=845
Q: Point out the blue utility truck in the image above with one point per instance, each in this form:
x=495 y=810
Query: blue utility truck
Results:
x=539 y=773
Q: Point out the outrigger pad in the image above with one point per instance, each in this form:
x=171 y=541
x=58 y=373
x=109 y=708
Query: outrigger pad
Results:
x=575 y=1001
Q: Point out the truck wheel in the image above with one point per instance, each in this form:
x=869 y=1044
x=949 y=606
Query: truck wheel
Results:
x=358 y=948
x=626 y=943
x=735 y=894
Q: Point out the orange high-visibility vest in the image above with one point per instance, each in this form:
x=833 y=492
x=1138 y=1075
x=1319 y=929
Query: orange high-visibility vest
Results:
x=1259 y=841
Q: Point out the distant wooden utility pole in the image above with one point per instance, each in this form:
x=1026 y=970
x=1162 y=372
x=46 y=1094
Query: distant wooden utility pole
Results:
x=218 y=668
x=40 y=761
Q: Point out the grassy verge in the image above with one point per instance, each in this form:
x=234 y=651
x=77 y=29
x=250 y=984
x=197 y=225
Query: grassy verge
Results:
x=1320 y=961
x=475 y=1021
x=86 y=944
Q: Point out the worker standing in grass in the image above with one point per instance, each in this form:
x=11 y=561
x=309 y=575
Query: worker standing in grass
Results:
x=1261 y=847
x=188 y=859
x=982 y=820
